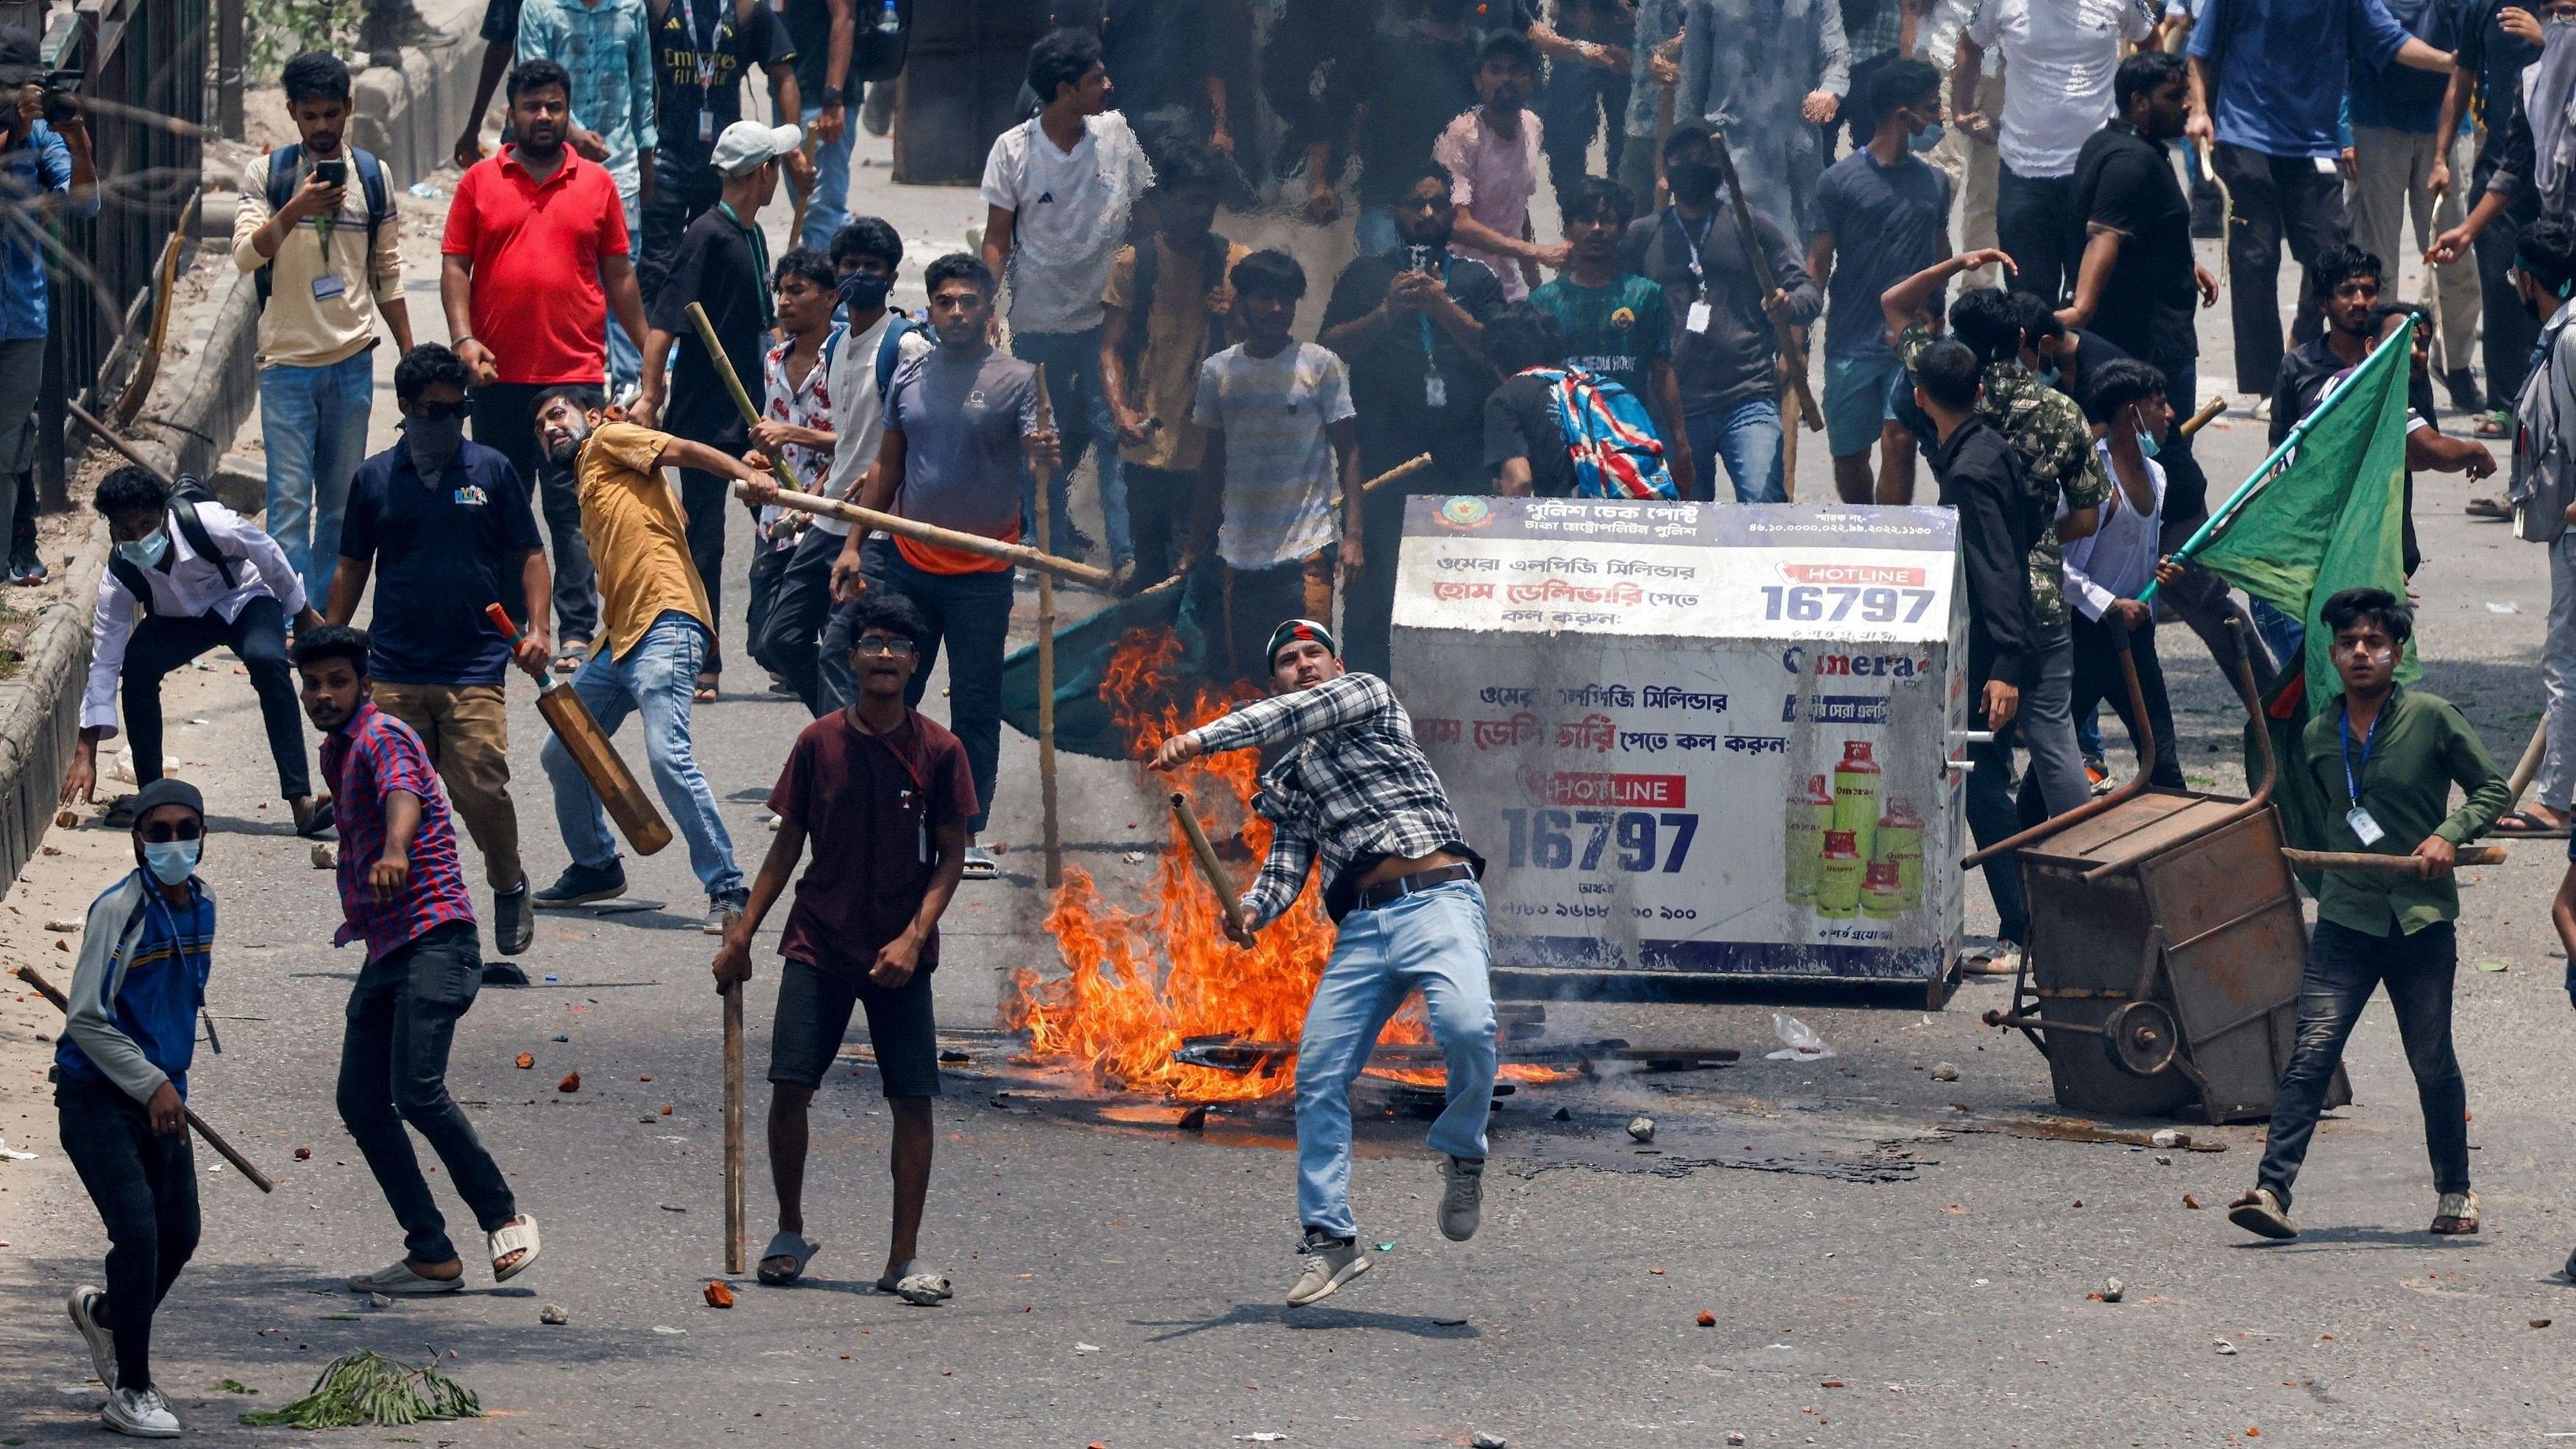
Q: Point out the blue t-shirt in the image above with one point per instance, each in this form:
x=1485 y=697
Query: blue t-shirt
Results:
x=165 y=983
x=2283 y=64
x=1888 y=222
x=38 y=164
x=442 y=553
x=2401 y=98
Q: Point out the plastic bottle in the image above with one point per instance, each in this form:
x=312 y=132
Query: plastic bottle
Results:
x=1811 y=813
x=1856 y=796
x=1900 y=842
x=889 y=20
x=1838 y=874
x=1881 y=897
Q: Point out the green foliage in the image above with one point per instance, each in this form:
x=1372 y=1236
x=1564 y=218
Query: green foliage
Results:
x=279 y=30
x=364 y=1387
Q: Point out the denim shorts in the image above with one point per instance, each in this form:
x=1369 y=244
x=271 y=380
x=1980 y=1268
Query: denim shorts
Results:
x=814 y=1010
x=1856 y=400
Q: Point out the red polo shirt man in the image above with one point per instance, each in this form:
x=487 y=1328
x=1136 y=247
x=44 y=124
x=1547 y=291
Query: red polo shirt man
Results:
x=536 y=252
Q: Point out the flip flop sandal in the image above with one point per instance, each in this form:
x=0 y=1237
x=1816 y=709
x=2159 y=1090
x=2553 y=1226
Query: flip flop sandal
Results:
x=796 y=1249
x=980 y=864
x=2497 y=424
x=325 y=817
x=572 y=656
x=397 y=1280
x=120 y=813
x=916 y=1285
x=2528 y=826
x=2487 y=508
x=2456 y=1215
x=510 y=1237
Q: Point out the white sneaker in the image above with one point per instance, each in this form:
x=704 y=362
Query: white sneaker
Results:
x=1462 y=1196
x=1329 y=1265
x=82 y=1305
x=142 y=1413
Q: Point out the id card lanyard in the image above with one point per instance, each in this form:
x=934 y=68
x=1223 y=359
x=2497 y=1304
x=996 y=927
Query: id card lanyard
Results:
x=2364 y=829
x=1435 y=388
x=1698 y=317
x=707 y=59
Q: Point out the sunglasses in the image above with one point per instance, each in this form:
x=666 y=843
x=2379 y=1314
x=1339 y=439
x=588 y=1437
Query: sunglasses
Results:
x=438 y=412
x=883 y=646
x=162 y=832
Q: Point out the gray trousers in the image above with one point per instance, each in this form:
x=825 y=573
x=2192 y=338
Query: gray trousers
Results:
x=22 y=373
x=2046 y=724
x=2394 y=168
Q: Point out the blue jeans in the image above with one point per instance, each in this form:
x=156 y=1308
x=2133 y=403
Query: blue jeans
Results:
x=1434 y=940
x=626 y=354
x=2343 y=967
x=1072 y=363
x=828 y=209
x=1747 y=437
x=968 y=614
x=660 y=677
x=313 y=421
x=2284 y=635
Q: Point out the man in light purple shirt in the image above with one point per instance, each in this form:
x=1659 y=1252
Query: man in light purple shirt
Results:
x=1493 y=152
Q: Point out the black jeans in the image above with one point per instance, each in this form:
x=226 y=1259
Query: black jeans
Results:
x=2031 y=225
x=681 y=194
x=2343 y=966
x=576 y=581
x=505 y=418
x=1159 y=501
x=800 y=608
x=2275 y=199
x=258 y=634
x=393 y=1069
x=2098 y=680
x=2506 y=332
x=1991 y=817
x=768 y=566
x=704 y=496
x=145 y=1185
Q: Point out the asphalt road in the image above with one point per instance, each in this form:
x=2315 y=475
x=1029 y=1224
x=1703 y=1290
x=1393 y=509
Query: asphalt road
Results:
x=1906 y=1269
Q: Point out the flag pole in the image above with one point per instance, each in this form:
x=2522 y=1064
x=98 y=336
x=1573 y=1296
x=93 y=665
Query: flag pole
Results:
x=2264 y=472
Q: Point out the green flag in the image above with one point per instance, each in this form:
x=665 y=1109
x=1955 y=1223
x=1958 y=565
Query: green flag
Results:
x=2325 y=513
x=1161 y=626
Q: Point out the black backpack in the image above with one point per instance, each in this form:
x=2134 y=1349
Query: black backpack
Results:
x=183 y=512
x=282 y=164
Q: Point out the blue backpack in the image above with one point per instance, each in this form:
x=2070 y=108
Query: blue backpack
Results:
x=1607 y=434
x=282 y=164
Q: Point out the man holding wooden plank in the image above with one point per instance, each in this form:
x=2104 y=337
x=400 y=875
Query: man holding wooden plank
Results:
x=1353 y=793
x=656 y=632
x=961 y=425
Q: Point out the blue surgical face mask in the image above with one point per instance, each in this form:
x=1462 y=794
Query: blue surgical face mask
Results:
x=145 y=552
x=2147 y=444
x=862 y=290
x=2047 y=375
x=1927 y=138
x=172 y=861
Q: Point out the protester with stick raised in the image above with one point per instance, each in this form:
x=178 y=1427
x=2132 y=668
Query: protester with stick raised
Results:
x=1355 y=796
x=121 y=1087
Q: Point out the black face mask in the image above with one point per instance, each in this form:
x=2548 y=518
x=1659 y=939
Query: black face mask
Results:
x=432 y=441
x=1692 y=181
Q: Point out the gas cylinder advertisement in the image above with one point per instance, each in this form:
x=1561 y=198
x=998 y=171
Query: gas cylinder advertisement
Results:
x=1690 y=737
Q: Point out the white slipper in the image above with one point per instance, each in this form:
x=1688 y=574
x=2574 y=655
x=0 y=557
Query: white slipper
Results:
x=396 y=1279
x=511 y=1236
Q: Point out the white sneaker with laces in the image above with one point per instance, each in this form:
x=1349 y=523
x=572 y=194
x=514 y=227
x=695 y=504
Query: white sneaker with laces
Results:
x=1330 y=1263
x=142 y=1413
x=82 y=1305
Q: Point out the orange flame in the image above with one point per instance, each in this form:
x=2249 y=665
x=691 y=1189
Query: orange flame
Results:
x=1142 y=978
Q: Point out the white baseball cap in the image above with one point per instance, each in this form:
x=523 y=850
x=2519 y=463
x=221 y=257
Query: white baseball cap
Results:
x=746 y=144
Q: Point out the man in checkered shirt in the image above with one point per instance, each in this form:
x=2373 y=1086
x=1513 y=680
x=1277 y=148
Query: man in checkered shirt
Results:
x=1355 y=791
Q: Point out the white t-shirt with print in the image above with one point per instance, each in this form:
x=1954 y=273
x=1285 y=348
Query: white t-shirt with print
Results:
x=1279 y=477
x=1069 y=216
x=2060 y=55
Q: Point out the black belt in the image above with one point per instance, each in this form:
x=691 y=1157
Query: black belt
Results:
x=1387 y=893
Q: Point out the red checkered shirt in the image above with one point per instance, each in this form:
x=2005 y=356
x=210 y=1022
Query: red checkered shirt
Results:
x=370 y=755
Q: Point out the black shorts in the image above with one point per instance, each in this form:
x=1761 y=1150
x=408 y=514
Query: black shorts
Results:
x=814 y=1010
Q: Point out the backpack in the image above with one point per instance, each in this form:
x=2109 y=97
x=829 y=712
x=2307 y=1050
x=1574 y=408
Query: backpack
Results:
x=281 y=184
x=1140 y=298
x=2544 y=457
x=890 y=350
x=1607 y=433
x=183 y=512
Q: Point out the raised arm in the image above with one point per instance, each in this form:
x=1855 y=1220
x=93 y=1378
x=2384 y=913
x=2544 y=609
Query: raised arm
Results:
x=1348 y=700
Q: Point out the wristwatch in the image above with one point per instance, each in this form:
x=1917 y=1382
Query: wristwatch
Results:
x=831 y=96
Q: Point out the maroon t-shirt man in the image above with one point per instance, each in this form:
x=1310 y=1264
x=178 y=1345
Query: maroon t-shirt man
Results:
x=871 y=807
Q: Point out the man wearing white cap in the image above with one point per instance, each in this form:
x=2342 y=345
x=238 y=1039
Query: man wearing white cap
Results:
x=724 y=265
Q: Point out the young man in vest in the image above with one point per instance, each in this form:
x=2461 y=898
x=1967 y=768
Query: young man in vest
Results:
x=1352 y=797
x=317 y=229
x=188 y=574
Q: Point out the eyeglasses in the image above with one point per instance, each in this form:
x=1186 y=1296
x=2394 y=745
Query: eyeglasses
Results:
x=438 y=412
x=162 y=832
x=883 y=646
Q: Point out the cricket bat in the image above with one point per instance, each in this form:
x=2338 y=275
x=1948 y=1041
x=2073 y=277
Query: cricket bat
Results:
x=600 y=763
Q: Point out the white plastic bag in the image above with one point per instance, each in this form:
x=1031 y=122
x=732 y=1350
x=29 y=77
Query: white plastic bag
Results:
x=1799 y=1042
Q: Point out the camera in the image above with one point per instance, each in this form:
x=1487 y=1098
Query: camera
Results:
x=61 y=101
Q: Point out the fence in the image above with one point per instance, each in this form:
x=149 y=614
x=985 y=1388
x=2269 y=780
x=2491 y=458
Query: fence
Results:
x=152 y=56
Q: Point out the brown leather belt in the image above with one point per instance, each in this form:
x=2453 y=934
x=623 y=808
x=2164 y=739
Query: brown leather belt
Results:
x=1389 y=892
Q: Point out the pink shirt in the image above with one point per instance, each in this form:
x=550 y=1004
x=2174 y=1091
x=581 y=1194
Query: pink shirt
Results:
x=1493 y=178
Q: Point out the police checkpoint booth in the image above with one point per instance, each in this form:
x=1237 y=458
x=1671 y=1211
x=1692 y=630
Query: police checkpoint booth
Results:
x=1722 y=741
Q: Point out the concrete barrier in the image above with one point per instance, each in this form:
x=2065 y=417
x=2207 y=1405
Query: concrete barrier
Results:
x=409 y=116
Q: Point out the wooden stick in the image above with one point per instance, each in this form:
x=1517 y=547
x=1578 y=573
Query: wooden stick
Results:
x=1046 y=662
x=1208 y=865
x=1788 y=451
x=81 y=416
x=1758 y=265
x=1399 y=472
x=214 y=1139
x=2372 y=863
x=2209 y=410
x=733 y=1147
x=2527 y=768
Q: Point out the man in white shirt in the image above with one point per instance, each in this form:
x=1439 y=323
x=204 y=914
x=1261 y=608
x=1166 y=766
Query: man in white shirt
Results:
x=188 y=574
x=2060 y=55
x=1057 y=192
x=2107 y=568
x=865 y=255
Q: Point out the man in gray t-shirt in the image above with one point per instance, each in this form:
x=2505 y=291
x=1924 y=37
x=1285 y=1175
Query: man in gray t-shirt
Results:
x=961 y=430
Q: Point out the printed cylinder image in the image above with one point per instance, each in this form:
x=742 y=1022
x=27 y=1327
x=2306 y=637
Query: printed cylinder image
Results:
x=1900 y=843
x=1811 y=814
x=1881 y=897
x=1838 y=873
x=1856 y=796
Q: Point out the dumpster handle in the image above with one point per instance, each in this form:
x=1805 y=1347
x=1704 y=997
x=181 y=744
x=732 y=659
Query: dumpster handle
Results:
x=2146 y=744
x=2261 y=799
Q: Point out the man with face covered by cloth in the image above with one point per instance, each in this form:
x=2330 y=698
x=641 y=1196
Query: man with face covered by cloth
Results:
x=1351 y=792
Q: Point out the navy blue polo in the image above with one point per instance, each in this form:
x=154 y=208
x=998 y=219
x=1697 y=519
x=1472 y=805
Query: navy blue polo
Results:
x=442 y=552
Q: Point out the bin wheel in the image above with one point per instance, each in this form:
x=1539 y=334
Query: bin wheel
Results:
x=2142 y=1038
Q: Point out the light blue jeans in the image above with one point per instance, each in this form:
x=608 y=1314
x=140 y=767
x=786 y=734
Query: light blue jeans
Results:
x=313 y=421
x=626 y=354
x=659 y=676
x=1072 y=363
x=1747 y=438
x=828 y=209
x=1434 y=940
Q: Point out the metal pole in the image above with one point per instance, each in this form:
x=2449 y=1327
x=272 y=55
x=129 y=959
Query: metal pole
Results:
x=229 y=47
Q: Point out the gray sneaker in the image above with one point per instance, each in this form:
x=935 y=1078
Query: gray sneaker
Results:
x=82 y=1305
x=1330 y=1263
x=722 y=909
x=1462 y=1196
